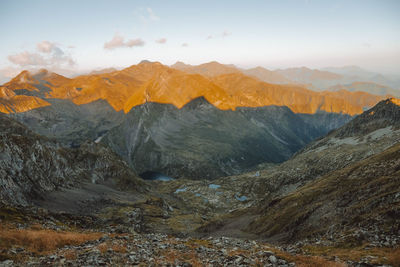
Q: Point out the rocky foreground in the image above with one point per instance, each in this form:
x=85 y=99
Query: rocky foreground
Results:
x=163 y=250
x=39 y=238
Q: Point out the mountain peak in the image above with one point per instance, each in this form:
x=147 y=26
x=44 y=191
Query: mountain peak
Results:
x=197 y=102
x=395 y=101
x=145 y=61
x=384 y=114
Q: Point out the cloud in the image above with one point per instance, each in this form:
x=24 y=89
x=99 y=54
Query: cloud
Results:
x=146 y=14
x=48 y=55
x=7 y=73
x=161 y=41
x=45 y=46
x=118 y=42
x=134 y=42
x=27 y=59
x=226 y=33
x=152 y=15
x=221 y=35
x=185 y=44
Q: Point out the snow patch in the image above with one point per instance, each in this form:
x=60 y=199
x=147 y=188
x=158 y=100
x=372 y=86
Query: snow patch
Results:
x=179 y=190
x=241 y=198
x=214 y=186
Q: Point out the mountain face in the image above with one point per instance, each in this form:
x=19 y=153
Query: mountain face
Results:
x=179 y=124
x=287 y=202
x=69 y=123
x=32 y=165
x=267 y=75
x=200 y=141
x=154 y=82
x=318 y=78
x=368 y=87
x=207 y=69
x=363 y=197
x=359 y=74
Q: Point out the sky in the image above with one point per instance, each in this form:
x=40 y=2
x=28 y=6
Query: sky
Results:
x=72 y=37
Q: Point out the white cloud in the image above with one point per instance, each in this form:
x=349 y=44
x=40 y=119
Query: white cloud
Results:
x=226 y=33
x=118 y=42
x=27 y=59
x=45 y=46
x=152 y=15
x=146 y=14
x=48 y=55
x=185 y=44
x=161 y=41
x=134 y=42
x=7 y=73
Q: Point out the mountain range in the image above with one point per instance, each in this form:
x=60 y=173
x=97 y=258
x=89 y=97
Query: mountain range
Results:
x=211 y=154
x=180 y=122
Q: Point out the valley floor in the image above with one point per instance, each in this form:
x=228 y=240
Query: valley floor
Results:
x=36 y=237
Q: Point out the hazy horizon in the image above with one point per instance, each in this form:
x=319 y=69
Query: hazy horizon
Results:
x=76 y=37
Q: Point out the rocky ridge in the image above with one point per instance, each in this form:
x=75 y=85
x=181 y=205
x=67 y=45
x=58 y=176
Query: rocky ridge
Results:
x=154 y=82
x=32 y=165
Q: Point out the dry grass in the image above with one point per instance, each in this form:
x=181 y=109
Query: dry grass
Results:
x=172 y=256
x=304 y=260
x=70 y=255
x=383 y=255
x=315 y=261
x=42 y=241
x=118 y=248
x=102 y=248
x=394 y=257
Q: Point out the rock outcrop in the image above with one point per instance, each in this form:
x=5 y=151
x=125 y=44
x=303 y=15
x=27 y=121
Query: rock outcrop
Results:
x=32 y=165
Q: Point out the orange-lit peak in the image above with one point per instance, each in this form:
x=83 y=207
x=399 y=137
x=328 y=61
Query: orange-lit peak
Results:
x=395 y=101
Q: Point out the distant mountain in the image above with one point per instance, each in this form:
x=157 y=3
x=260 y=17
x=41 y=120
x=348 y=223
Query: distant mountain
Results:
x=368 y=87
x=268 y=76
x=209 y=69
x=200 y=141
x=154 y=82
x=351 y=71
x=147 y=113
x=317 y=78
x=249 y=92
x=357 y=74
x=102 y=71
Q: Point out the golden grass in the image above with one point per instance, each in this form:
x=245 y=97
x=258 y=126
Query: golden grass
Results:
x=118 y=248
x=315 y=261
x=42 y=241
x=102 y=248
x=171 y=256
x=305 y=260
x=394 y=257
x=70 y=255
x=383 y=255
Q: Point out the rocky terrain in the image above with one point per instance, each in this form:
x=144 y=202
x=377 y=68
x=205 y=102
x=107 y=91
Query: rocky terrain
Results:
x=200 y=141
x=32 y=165
x=251 y=186
x=336 y=175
